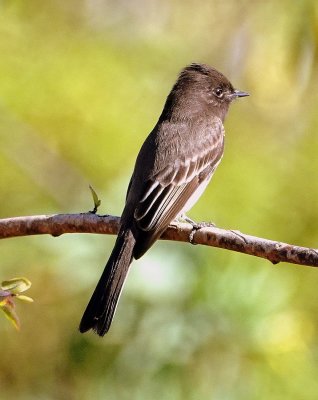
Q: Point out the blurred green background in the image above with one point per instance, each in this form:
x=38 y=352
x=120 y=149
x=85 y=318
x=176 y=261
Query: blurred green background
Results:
x=82 y=82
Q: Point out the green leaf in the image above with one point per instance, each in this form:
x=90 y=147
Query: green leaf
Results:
x=97 y=201
x=9 y=290
x=16 y=285
x=11 y=315
x=27 y=299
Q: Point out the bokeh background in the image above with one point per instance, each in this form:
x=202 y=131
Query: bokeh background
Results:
x=82 y=82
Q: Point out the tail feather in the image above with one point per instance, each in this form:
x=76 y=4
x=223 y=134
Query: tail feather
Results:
x=102 y=305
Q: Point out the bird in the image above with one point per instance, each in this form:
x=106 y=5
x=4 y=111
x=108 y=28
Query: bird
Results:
x=174 y=165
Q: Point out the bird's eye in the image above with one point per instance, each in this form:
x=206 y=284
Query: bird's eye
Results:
x=218 y=92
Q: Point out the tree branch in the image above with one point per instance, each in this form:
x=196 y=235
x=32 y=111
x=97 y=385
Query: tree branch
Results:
x=59 y=224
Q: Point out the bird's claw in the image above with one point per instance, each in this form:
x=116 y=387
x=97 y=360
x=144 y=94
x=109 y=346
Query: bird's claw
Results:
x=195 y=227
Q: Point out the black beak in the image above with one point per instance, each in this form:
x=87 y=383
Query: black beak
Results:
x=238 y=93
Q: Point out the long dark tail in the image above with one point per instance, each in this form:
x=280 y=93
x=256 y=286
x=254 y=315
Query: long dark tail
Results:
x=102 y=305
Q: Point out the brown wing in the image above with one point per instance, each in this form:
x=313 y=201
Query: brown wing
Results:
x=168 y=190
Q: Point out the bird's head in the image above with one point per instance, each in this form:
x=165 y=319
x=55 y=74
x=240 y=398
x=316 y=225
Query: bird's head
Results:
x=204 y=86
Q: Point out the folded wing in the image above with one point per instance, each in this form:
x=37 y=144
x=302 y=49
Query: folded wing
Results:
x=166 y=193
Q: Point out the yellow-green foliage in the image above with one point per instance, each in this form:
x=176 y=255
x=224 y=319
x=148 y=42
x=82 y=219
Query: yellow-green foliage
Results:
x=82 y=82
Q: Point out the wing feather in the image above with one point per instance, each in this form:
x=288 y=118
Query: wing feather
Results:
x=167 y=191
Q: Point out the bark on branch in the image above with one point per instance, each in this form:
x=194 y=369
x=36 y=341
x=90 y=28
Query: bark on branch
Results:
x=59 y=224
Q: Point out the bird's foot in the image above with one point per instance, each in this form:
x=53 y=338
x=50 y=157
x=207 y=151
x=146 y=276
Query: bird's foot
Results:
x=195 y=226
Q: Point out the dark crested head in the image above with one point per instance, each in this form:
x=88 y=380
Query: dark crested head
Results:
x=217 y=87
x=201 y=88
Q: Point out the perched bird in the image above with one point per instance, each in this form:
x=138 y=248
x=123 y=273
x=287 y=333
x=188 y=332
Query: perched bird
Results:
x=173 y=167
